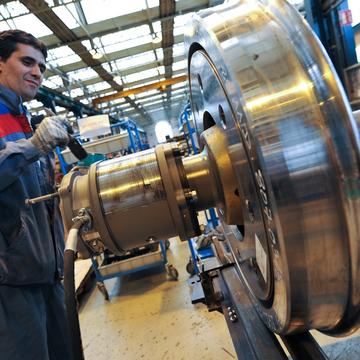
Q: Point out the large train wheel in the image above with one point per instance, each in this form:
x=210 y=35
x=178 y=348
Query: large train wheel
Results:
x=259 y=75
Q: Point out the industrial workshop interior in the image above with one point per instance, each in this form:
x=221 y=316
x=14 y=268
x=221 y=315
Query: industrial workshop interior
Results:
x=179 y=179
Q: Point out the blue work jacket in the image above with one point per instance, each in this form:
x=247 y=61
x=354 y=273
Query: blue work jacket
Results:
x=31 y=237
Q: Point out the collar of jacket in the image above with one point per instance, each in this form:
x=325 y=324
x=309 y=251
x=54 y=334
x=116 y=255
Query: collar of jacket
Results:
x=11 y=100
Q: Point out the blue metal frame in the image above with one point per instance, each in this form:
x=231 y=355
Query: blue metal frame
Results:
x=212 y=218
x=136 y=135
x=136 y=144
x=63 y=164
x=338 y=40
x=185 y=119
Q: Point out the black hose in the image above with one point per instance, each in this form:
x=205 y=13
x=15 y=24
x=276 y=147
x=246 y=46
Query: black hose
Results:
x=71 y=302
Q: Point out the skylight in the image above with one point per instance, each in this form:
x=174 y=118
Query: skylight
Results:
x=13 y=8
x=68 y=14
x=37 y=28
x=110 y=9
x=100 y=86
x=178 y=49
x=135 y=60
x=83 y=74
x=53 y=82
x=61 y=56
x=179 y=65
x=178 y=85
x=141 y=75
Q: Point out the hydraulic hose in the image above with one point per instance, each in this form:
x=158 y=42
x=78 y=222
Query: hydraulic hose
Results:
x=69 y=285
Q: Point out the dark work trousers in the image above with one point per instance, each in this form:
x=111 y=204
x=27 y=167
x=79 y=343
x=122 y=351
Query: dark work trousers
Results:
x=33 y=323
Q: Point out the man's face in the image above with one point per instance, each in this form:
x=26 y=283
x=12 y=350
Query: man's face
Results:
x=23 y=71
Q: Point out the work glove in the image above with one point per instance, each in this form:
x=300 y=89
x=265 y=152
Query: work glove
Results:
x=51 y=132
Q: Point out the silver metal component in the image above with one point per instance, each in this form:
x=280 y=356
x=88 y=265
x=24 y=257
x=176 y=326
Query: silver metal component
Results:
x=132 y=199
x=211 y=174
x=257 y=72
x=41 y=198
x=83 y=215
x=232 y=314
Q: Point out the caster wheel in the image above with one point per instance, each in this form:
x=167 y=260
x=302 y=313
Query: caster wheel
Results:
x=172 y=272
x=190 y=267
x=103 y=290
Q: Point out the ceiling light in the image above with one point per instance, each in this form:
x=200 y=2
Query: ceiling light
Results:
x=156 y=39
x=117 y=78
x=95 y=54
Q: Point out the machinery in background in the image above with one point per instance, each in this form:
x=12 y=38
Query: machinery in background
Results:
x=280 y=160
x=187 y=128
x=132 y=140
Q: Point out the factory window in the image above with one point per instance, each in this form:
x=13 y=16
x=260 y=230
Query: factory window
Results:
x=162 y=130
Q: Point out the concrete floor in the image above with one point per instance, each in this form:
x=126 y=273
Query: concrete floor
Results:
x=150 y=317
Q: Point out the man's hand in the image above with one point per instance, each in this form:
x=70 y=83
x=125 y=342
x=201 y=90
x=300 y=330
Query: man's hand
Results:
x=51 y=132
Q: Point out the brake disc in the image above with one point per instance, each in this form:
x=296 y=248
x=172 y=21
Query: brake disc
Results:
x=257 y=71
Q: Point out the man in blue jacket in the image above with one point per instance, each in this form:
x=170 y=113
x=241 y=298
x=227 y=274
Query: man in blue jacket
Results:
x=32 y=314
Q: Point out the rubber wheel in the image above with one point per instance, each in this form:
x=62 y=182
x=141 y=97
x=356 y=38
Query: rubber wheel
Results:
x=172 y=272
x=190 y=268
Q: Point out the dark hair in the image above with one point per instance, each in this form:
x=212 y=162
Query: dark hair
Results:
x=10 y=38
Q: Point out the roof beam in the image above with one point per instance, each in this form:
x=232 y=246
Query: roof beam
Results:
x=167 y=8
x=143 y=100
x=129 y=71
x=124 y=93
x=116 y=55
x=125 y=22
x=54 y=23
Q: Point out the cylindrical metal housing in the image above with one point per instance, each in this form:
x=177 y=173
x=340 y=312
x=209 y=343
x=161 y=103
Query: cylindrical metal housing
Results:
x=133 y=199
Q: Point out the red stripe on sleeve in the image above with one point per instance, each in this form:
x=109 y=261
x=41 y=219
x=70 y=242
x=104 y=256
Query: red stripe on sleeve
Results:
x=24 y=123
x=9 y=125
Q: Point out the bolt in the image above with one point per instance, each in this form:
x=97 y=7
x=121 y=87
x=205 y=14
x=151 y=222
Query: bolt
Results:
x=232 y=314
x=191 y=195
x=151 y=239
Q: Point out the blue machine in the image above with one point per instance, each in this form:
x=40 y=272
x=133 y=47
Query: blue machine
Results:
x=338 y=39
x=186 y=127
x=137 y=137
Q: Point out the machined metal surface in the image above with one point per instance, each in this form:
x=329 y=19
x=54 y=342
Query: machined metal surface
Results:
x=258 y=73
x=134 y=200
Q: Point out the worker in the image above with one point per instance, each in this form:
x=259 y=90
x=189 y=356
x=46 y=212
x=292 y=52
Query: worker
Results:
x=32 y=311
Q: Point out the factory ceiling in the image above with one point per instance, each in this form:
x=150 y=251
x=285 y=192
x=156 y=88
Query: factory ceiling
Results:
x=102 y=47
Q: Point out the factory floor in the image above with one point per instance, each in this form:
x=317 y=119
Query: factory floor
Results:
x=150 y=317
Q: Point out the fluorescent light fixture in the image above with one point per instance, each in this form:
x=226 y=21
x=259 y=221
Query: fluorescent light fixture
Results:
x=117 y=78
x=95 y=54
x=156 y=39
